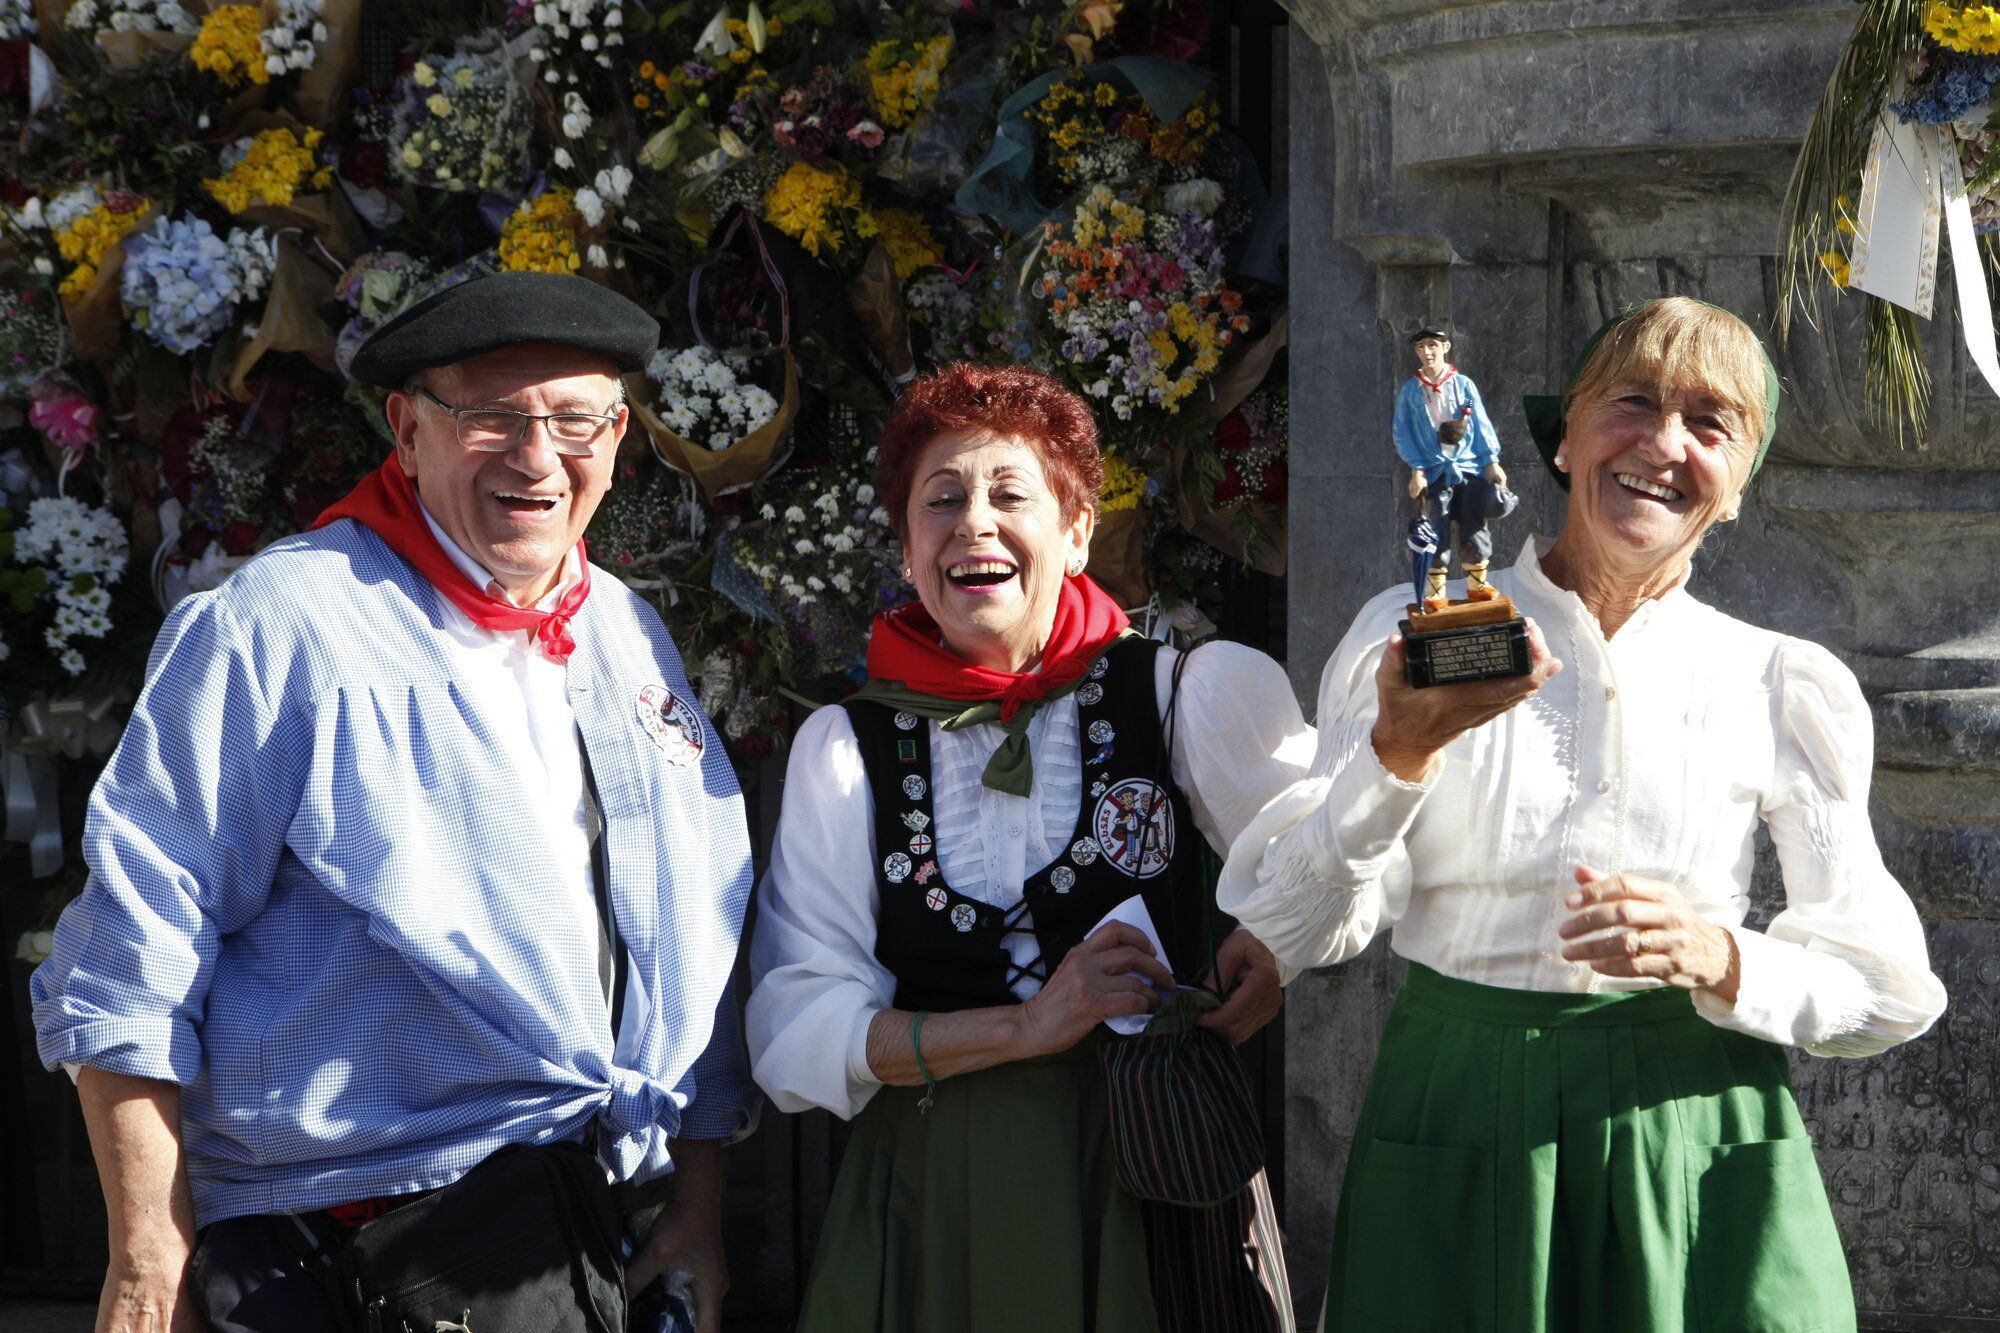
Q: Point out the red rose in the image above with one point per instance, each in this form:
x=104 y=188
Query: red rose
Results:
x=1230 y=489
x=1277 y=486
x=1232 y=433
x=240 y=538
x=364 y=163
x=15 y=81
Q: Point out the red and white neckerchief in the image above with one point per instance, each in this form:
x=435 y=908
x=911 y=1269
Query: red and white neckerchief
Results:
x=1434 y=402
x=386 y=502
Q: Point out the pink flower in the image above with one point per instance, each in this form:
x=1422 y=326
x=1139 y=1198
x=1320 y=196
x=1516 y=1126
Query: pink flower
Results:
x=866 y=133
x=70 y=421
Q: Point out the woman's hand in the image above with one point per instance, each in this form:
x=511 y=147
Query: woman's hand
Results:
x=1247 y=975
x=1662 y=937
x=1111 y=974
x=1413 y=726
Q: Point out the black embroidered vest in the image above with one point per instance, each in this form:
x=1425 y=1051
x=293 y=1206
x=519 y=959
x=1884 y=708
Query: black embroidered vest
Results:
x=949 y=951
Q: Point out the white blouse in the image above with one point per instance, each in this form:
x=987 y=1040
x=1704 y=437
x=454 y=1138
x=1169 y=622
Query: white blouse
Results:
x=1654 y=753
x=816 y=983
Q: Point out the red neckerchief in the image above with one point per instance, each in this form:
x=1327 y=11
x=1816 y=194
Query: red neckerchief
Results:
x=903 y=646
x=1449 y=371
x=386 y=503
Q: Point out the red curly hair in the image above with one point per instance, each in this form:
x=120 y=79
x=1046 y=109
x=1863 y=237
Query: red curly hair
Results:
x=1001 y=400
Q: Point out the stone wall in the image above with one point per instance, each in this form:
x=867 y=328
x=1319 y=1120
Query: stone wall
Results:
x=1523 y=168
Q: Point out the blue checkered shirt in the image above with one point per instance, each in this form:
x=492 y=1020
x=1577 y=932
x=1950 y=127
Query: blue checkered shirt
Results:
x=316 y=903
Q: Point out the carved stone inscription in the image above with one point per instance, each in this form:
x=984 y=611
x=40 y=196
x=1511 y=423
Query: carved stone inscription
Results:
x=1909 y=1145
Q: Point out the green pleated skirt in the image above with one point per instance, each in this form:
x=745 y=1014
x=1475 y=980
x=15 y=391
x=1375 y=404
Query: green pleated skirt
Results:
x=996 y=1212
x=1529 y=1161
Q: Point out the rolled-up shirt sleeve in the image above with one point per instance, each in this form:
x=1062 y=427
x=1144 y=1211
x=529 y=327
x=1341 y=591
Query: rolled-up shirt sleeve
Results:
x=1323 y=868
x=183 y=836
x=1843 y=970
x=816 y=984
x=720 y=1101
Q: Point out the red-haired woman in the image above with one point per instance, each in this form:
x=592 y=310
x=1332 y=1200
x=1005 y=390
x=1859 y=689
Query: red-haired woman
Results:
x=928 y=956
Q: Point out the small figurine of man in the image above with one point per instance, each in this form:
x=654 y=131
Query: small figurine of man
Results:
x=1445 y=437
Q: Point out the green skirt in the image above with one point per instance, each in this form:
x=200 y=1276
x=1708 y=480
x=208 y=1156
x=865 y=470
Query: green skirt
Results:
x=1531 y=1161
x=996 y=1212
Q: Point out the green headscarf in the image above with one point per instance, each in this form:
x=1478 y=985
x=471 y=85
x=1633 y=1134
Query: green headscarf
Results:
x=1545 y=412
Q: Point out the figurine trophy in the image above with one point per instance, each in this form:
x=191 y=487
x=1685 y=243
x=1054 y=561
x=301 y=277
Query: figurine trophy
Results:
x=1442 y=433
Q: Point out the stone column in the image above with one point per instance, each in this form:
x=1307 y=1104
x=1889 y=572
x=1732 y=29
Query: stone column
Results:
x=1524 y=168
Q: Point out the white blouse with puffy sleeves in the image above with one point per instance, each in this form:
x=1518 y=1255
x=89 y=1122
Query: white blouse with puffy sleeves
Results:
x=816 y=983
x=1655 y=753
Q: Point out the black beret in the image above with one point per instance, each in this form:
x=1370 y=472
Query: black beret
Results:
x=1429 y=331
x=498 y=310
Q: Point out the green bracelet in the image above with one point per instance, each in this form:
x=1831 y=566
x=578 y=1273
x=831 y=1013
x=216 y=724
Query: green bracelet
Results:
x=917 y=1045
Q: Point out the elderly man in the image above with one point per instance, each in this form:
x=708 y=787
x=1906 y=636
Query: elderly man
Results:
x=416 y=885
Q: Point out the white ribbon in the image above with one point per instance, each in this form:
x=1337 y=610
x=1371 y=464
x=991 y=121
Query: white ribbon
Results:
x=1911 y=184
x=42 y=730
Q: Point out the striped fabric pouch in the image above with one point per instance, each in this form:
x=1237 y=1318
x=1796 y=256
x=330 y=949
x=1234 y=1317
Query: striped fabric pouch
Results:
x=1184 y=1129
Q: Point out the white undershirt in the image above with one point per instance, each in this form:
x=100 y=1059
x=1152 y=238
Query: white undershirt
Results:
x=816 y=983
x=1656 y=752
x=504 y=675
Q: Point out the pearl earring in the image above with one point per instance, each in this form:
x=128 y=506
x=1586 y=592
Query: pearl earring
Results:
x=1562 y=460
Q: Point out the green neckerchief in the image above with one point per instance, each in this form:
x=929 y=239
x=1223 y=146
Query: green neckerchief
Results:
x=1012 y=768
x=1546 y=411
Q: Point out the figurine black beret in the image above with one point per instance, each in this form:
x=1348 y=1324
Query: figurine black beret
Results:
x=498 y=310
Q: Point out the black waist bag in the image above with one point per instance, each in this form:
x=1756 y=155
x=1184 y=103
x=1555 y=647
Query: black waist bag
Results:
x=1183 y=1127
x=525 y=1242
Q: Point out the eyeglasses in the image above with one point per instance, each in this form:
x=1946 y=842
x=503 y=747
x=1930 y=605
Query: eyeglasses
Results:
x=494 y=430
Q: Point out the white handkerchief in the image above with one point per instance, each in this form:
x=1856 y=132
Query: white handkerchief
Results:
x=1133 y=913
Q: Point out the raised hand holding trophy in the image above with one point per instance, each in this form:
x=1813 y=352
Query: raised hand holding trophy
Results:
x=1442 y=433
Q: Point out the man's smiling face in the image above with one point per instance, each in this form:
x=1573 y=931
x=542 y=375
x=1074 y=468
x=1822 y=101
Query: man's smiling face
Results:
x=518 y=513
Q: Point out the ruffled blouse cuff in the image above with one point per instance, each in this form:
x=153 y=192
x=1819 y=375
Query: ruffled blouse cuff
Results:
x=1788 y=994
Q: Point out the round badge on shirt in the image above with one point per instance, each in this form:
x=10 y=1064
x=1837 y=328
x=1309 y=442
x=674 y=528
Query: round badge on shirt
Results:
x=673 y=724
x=1132 y=815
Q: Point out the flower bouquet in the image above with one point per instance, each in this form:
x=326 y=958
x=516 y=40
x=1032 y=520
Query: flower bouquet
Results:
x=1899 y=157
x=273 y=175
x=182 y=283
x=55 y=583
x=32 y=340
x=1139 y=123
x=129 y=32
x=712 y=423
x=1232 y=494
x=88 y=227
x=1134 y=310
x=461 y=124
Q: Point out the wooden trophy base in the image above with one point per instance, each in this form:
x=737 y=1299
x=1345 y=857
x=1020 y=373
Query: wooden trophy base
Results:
x=1464 y=641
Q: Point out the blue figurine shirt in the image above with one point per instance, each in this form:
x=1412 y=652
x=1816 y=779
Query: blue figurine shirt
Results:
x=1421 y=406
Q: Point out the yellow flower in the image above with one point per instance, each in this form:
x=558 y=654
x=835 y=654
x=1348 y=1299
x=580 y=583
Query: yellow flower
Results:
x=1837 y=267
x=87 y=240
x=816 y=206
x=1124 y=484
x=439 y=105
x=903 y=79
x=1165 y=353
x=275 y=168
x=909 y=242
x=463 y=78
x=540 y=235
x=411 y=156
x=425 y=75
x=231 y=47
